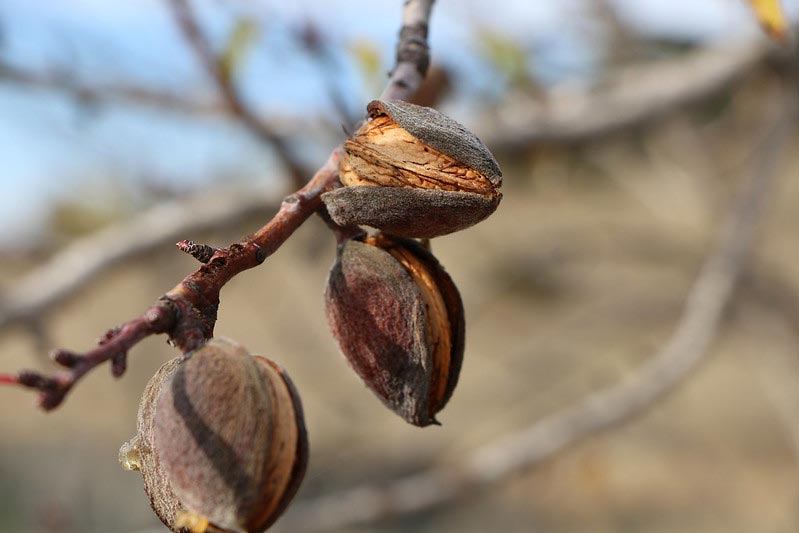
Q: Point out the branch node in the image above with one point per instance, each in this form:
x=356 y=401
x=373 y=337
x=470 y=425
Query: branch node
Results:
x=201 y=252
x=66 y=358
x=413 y=47
x=119 y=363
x=108 y=336
x=260 y=254
x=34 y=380
x=160 y=317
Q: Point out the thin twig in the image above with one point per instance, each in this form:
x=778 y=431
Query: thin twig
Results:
x=187 y=313
x=114 y=346
x=696 y=328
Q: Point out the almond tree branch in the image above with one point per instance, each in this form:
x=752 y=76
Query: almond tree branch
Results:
x=600 y=411
x=187 y=313
x=413 y=53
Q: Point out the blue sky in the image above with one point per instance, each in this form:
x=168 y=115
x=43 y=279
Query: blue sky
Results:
x=50 y=148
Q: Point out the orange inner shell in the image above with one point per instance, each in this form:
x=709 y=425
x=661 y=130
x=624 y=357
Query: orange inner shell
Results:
x=439 y=335
x=383 y=153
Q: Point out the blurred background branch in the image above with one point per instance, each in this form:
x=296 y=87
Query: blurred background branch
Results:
x=80 y=263
x=633 y=96
x=96 y=93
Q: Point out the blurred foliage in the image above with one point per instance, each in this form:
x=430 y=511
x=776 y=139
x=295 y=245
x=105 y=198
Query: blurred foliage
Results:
x=240 y=42
x=772 y=18
x=366 y=55
x=506 y=56
x=69 y=219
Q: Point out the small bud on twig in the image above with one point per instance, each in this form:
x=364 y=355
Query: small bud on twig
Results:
x=66 y=358
x=201 y=252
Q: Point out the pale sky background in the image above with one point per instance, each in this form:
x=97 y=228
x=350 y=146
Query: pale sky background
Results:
x=50 y=148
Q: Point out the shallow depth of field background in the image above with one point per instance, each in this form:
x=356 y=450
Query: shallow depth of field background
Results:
x=578 y=277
